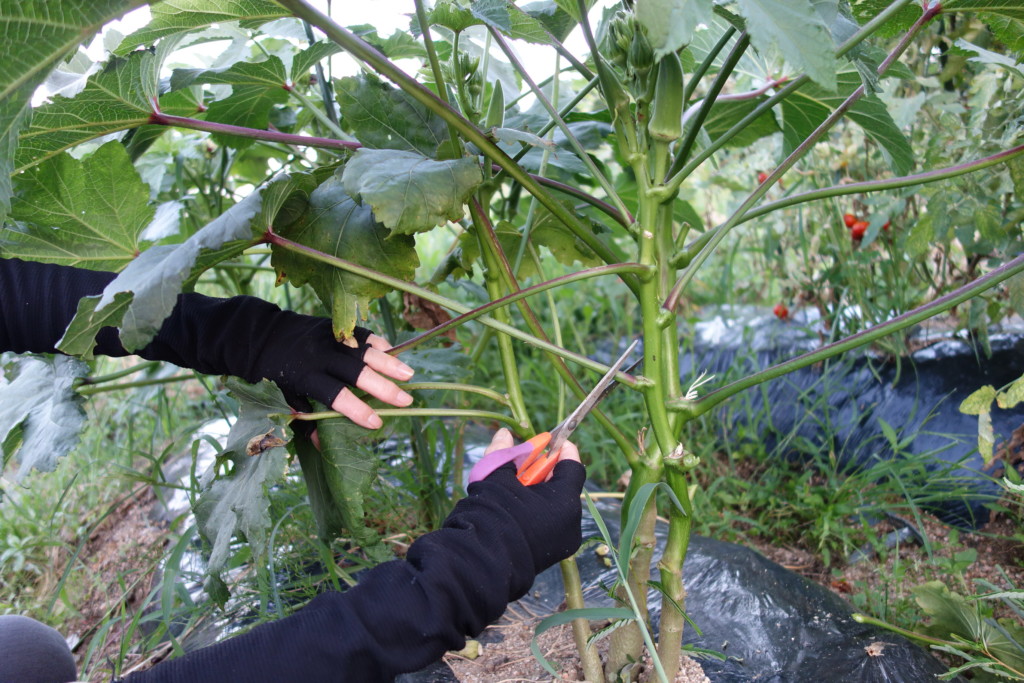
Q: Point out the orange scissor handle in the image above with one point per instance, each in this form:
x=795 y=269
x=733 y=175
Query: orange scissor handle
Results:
x=538 y=464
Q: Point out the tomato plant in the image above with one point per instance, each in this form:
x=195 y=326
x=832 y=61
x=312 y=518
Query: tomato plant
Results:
x=616 y=169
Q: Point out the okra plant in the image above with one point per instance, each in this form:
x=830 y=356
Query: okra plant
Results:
x=261 y=160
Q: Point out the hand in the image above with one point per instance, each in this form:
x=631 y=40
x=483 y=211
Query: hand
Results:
x=503 y=439
x=547 y=514
x=371 y=380
x=304 y=359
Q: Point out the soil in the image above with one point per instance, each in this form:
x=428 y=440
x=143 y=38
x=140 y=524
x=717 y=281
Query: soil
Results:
x=504 y=655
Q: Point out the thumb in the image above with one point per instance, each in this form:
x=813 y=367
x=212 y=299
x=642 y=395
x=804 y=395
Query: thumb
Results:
x=568 y=452
x=502 y=439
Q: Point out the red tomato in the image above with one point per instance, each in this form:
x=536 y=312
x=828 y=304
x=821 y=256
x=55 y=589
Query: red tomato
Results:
x=858 y=229
x=781 y=312
x=886 y=226
x=761 y=177
x=849 y=219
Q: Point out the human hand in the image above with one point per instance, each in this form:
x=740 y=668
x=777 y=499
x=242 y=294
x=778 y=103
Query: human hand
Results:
x=304 y=359
x=548 y=513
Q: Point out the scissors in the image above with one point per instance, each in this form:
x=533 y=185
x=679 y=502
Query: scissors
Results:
x=537 y=456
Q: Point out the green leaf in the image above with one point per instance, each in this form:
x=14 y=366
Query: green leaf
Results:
x=809 y=106
x=724 y=115
x=1005 y=8
x=87 y=213
x=451 y=15
x=239 y=503
x=670 y=23
x=979 y=402
x=37 y=35
x=956 y=616
x=509 y=238
x=256 y=87
x=922 y=235
x=410 y=193
x=572 y=7
x=797 y=31
x=1011 y=396
x=181 y=16
x=510 y=20
x=986 y=437
x=632 y=520
x=310 y=57
x=159 y=274
x=384 y=117
x=1007 y=29
x=329 y=522
x=40 y=406
x=117 y=98
x=336 y=225
x=350 y=468
x=564 y=245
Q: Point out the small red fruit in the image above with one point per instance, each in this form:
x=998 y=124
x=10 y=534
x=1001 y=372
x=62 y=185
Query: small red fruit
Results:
x=858 y=229
x=886 y=226
x=761 y=177
x=849 y=219
x=781 y=312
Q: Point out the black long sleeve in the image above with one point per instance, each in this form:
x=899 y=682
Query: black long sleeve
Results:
x=405 y=614
x=242 y=336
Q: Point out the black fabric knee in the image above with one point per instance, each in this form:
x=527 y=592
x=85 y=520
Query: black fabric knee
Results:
x=31 y=652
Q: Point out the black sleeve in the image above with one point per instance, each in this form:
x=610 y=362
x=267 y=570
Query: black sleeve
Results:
x=242 y=336
x=406 y=614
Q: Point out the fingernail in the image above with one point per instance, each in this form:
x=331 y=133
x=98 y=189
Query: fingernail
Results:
x=375 y=422
x=405 y=372
x=404 y=399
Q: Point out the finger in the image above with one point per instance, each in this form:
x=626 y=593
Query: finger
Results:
x=387 y=364
x=569 y=452
x=378 y=342
x=384 y=389
x=355 y=409
x=502 y=439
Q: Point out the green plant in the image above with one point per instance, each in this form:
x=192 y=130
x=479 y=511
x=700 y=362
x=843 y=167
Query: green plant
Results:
x=608 y=169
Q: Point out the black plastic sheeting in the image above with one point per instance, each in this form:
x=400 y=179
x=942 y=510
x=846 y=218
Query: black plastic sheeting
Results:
x=836 y=407
x=771 y=624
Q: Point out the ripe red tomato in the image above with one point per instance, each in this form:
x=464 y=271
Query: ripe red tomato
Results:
x=761 y=177
x=886 y=226
x=781 y=312
x=858 y=229
x=849 y=219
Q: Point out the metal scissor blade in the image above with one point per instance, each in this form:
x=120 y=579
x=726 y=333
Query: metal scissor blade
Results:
x=562 y=432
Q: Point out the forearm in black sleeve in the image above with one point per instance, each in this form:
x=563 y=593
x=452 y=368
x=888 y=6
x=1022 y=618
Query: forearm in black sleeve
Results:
x=214 y=336
x=406 y=614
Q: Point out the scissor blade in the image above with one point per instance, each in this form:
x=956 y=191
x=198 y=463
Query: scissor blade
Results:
x=596 y=395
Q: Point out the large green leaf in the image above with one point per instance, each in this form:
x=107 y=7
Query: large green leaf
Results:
x=40 y=402
x=181 y=16
x=1006 y=8
x=239 y=503
x=335 y=224
x=809 y=106
x=1007 y=29
x=670 y=23
x=410 y=193
x=256 y=87
x=117 y=98
x=35 y=36
x=87 y=213
x=350 y=469
x=725 y=114
x=384 y=117
x=797 y=31
x=510 y=20
x=154 y=279
x=452 y=15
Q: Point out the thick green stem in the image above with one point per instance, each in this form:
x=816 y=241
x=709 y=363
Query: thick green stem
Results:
x=589 y=657
x=91 y=391
x=692 y=409
x=483 y=415
x=510 y=368
x=670 y=569
x=453 y=386
x=160 y=119
x=100 y=379
x=365 y=52
x=435 y=64
x=505 y=271
x=627 y=642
